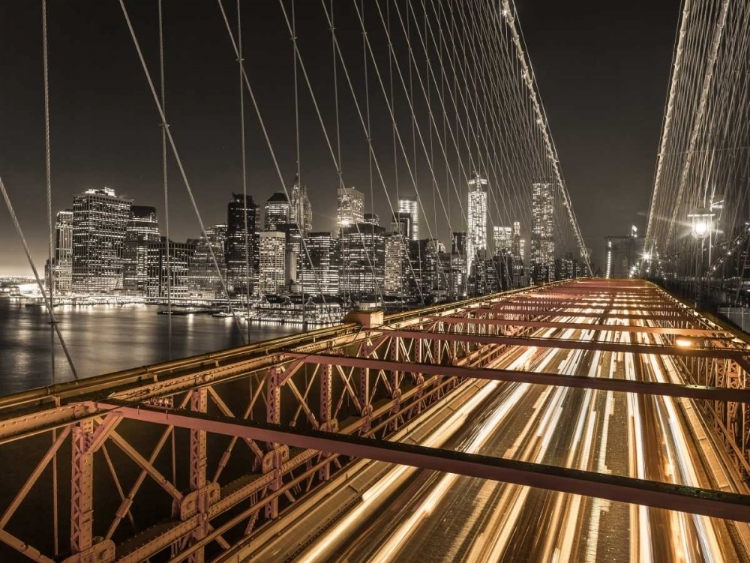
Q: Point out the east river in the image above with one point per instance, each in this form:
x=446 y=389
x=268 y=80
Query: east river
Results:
x=107 y=338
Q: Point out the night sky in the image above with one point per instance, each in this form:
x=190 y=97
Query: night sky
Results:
x=602 y=69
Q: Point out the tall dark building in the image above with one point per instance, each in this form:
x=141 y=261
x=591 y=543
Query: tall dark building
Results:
x=402 y=224
x=300 y=211
x=323 y=276
x=142 y=229
x=242 y=250
x=277 y=212
x=542 y=232
x=458 y=269
x=62 y=262
x=458 y=243
x=100 y=220
x=180 y=256
x=362 y=259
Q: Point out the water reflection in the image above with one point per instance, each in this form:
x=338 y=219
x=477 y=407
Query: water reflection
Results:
x=106 y=338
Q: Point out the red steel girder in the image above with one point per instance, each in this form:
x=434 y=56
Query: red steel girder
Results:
x=737 y=355
x=578 y=304
x=616 y=488
x=575 y=381
x=548 y=313
x=706 y=333
x=564 y=307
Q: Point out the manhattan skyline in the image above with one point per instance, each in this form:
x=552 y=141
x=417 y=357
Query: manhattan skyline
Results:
x=117 y=144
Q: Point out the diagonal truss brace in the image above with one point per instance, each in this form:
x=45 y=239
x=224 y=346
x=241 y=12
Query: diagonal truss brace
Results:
x=615 y=488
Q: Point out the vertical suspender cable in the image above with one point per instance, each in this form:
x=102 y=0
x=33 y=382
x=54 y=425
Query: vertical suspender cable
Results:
x=165 y=182
x=241 y=62
x=420 y=281
x=699 y=114
x=396 y=218
x=300 y=216
x=369 y=140
x=339 y=165
x=51 y=282
x=48 y=171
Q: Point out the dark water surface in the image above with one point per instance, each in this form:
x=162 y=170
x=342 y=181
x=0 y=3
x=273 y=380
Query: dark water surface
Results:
x=107 y=338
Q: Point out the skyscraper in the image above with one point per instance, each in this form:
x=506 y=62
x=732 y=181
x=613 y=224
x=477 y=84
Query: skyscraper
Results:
x=395 y=254
x=180 y=256
x=271 y=263
x=62 y=268
x=323 y=277
x=351 y=207
x=372 y=219
x=542 y=231
x=204 y=279
x=503 y=239
x=477 y=219
x=142 y=229
x=401 y=224
x=300 y=212
x=518 y=252
x=410 y=205
x=238 y=255
x=277 y=212
x=362 y=259
x=100 y=220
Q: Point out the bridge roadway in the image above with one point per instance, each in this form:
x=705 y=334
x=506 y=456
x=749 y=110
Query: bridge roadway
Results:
x=533 y=379
x=430 y=516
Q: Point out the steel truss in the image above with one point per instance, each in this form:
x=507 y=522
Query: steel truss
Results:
x=192 y=457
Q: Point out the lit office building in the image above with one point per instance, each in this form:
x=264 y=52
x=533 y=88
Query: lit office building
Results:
x=362 y=259
x=542 y=232
x=477 y=219
x=205 y=280
x=457 y=279
x=142 y=229
x=458 y=266
x=277 y=212
x=172 y=279
x=272 y=263
x=395 y=254
x=433 y=279
x=323 y=277
x=518 y=253
x=503 y=239
x=372 y=219
x=62 y=261
x=100 y=220
x=241 y=252
x=409 y=205
x=351 y=207
x=300 y=210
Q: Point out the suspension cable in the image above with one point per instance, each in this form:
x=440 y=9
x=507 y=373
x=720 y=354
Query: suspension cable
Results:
x=165 y=181
x=179 y=162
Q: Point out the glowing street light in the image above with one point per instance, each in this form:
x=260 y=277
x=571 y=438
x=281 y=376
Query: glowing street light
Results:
x=700 y=229
x=684 y=342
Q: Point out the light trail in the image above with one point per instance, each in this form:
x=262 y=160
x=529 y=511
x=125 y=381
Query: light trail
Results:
x=396 y=476
x=685 y=537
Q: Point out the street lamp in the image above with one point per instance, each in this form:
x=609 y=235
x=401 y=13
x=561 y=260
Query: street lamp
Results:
x=700 y=222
